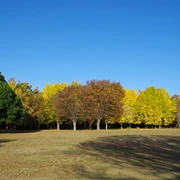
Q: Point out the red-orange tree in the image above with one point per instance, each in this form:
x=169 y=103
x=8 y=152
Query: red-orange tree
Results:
x=67 y=103
x=176 y=97
x=106 y=98
x=88 y=111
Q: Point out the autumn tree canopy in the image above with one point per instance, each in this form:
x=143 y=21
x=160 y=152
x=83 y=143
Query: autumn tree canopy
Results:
x=128 y=101
x=32 y=101
x=67 y=104
x=154 y=107
x=96 y=103
x=176 y=98
x=49 y=91
x=105 y=100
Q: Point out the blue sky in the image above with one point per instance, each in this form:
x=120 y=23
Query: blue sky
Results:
x=135 y=42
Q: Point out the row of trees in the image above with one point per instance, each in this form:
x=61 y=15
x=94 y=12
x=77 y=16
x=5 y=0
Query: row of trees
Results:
x=96 y=103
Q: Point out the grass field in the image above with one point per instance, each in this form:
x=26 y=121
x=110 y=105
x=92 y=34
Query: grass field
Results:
x=112 y=154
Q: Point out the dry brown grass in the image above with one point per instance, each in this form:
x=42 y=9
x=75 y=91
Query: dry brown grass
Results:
x=112 y=154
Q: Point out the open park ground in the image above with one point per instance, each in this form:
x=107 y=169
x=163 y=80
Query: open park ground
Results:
x=91 y=154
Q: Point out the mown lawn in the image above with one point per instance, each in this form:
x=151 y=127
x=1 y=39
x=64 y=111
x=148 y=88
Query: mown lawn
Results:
x=112 y=154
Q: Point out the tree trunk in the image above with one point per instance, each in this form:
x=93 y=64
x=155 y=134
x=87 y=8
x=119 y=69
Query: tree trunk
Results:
x=121 y=126
x=106 y=125
x=98 y=124
x=129 y=125
x=84 y=124
x=74 y=125
x=38 y=126
x=7 y=129
x=90 y=125
x=159 y=126
x=58 y=125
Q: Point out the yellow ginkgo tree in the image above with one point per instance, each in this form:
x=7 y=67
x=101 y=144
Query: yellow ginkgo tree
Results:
x=154 y=107
x=128 y=107
x=49 y=91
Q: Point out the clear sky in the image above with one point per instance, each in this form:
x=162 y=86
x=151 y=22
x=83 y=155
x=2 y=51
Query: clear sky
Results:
x=135 y=42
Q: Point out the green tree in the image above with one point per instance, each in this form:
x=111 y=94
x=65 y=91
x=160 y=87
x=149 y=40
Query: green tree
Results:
x=11 y=109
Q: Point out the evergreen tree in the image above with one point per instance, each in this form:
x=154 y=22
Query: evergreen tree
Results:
x=11 y=109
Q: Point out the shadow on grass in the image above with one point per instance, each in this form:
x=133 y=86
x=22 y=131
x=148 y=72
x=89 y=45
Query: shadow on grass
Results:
x=2 y=141
x=19 y=131
x=157 y=156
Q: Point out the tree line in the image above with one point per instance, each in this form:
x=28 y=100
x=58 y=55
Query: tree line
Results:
x=97 y=103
